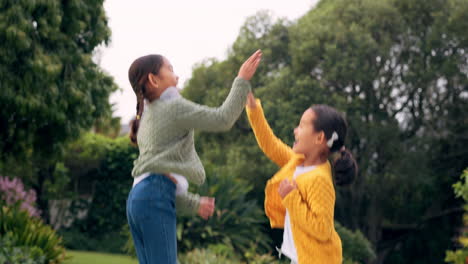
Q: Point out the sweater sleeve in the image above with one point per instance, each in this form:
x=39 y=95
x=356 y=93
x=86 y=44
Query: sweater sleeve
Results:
x=187 y=204
x=275 y=149
x=313 y=215
x=194 y=116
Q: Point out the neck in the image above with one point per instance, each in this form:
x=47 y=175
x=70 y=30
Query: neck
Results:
x=155 y=95
x=315 y=159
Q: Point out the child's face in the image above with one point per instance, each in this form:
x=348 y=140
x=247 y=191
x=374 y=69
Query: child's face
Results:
x=307 y=140
x=167 y=77
x=164 y=79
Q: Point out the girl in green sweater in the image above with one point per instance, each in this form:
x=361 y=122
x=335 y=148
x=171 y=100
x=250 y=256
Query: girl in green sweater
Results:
x=164 y=132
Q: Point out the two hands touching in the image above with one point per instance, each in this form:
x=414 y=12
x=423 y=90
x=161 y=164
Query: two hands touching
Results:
x=246 y=72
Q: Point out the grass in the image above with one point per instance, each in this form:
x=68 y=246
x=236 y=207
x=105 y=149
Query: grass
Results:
x=85 y=257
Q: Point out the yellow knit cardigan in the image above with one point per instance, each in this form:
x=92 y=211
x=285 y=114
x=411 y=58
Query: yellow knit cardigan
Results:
x=310 y=206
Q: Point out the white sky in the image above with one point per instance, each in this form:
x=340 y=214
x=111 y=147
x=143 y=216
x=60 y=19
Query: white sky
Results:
x=184 y=31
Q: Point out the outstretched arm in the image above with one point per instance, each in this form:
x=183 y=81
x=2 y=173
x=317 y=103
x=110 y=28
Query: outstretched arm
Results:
x=194 y=116
x=275 y=149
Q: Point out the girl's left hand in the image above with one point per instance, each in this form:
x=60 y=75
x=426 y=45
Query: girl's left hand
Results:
x=207 y=206
x=286 y=187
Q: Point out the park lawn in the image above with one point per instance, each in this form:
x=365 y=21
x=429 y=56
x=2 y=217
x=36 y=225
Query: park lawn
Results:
x=86 y=257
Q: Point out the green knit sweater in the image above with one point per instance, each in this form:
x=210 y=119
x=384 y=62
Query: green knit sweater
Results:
x=166 y=137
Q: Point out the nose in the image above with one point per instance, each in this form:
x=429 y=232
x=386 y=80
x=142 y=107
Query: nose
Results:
x=295 y=131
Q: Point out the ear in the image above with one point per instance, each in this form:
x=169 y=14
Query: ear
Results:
x=153 y=80
x=321 y=137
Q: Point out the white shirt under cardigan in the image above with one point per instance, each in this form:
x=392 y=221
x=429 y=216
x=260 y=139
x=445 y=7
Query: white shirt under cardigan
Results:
x=182 y=183
x=288 y=248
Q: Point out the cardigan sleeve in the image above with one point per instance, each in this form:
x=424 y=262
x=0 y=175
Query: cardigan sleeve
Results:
x=190 y=115
x=187 y=204
x=275 y=149
x=313 y=212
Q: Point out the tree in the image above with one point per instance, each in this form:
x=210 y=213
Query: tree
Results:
x=51 y=88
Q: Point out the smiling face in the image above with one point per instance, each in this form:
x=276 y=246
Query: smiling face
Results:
x=307 y=140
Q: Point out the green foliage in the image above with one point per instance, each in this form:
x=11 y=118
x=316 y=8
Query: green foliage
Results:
x=461 y=255
x=457 y=257
x=237 y=221
x=29 y=232
x=111 y=242
x=101 y=169
x=129 y=247
x=206 y=256
x=461 y=187
x=51 y=88
x=221 y=253
x=356 y=247
x=12 y=254
x=112 y=184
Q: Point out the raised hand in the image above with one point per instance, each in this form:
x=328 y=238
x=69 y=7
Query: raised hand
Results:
x=251 y=103
x=247 y=70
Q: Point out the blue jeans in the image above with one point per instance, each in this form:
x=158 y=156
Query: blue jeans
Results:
x=152 y=219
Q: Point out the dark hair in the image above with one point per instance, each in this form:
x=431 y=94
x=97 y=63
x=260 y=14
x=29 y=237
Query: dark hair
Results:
x=138 y=76
x=329 y=120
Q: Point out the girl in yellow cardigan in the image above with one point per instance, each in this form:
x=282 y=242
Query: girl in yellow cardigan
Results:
x=300 y=197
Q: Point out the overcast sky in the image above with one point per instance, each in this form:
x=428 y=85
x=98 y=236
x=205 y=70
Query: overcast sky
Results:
x=184 y=31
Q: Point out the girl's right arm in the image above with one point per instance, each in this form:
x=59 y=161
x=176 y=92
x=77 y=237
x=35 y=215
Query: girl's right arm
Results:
x=190 y=115
x=275 y=149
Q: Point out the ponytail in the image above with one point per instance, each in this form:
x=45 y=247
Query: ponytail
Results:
x=334 y=126
x=135 y=124
x=345 y=168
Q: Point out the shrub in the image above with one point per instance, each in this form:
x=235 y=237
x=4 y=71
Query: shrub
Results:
x=104 y=166
x=460 y=256
x=30 y=232
x=111 y=181
x=222 y=253
x=13 y=254
x=205 y=256
x=356 y=247
x=237 y=221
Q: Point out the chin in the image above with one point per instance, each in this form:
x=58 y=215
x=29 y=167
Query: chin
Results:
x=294 y=148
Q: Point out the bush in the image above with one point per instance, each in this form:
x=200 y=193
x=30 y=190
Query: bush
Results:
x=205 y=256
x=460 y=256
x=237 y=221
x=104 y=166
x=26 y=232
x=356 y=247
x=12 y=254
x=112 y=242
x=221 y=253
x=111 y=181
